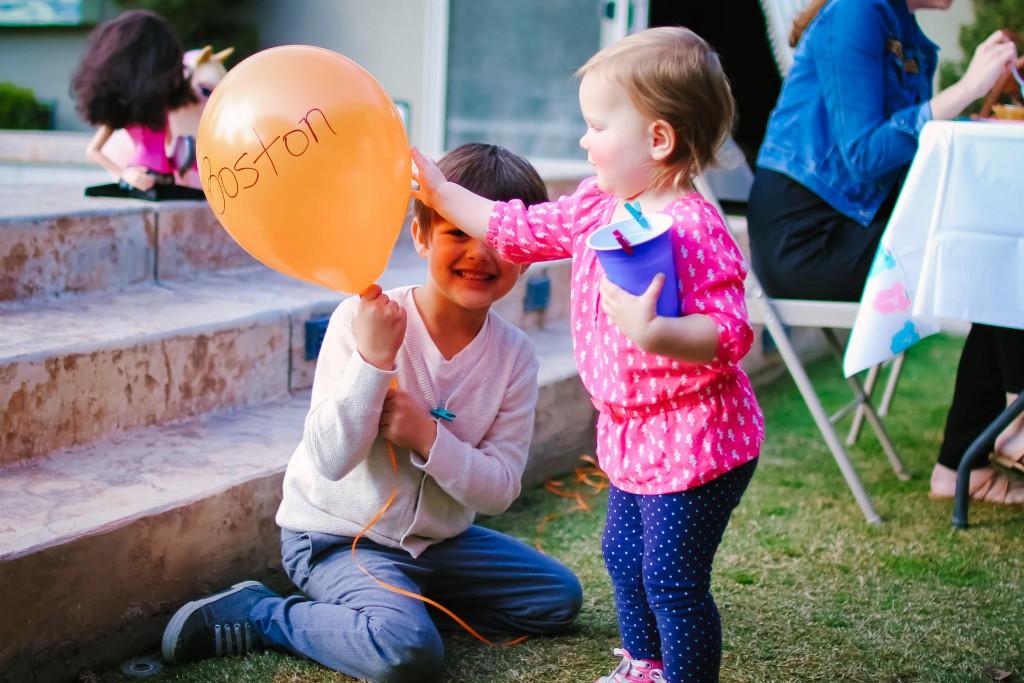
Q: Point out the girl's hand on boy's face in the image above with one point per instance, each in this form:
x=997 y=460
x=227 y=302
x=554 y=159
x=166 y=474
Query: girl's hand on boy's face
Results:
x=632 y=314
x=405 y=424
x=427 y=176
x=379 y=328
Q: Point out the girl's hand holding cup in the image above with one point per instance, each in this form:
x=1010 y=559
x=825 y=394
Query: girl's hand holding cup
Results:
x=633 y=315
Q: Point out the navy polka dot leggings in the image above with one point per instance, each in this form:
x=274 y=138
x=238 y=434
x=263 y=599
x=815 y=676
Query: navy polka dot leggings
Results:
x=658 y=550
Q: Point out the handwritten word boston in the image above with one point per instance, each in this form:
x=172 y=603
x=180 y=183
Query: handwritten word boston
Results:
x=226 y=183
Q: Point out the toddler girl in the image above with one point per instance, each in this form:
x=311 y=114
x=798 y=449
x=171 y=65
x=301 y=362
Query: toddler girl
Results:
x=679 y=428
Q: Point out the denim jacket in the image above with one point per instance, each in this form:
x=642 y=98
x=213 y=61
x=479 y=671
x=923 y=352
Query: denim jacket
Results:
x=847 y=121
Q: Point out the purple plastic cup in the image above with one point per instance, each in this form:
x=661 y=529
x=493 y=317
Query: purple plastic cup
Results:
x=651 y=254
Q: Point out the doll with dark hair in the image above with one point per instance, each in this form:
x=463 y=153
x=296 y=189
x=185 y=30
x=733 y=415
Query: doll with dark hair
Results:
x=132 y=77
x=204 y=69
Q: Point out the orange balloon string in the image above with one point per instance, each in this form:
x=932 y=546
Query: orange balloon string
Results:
x=590 y=480
x=402 y=591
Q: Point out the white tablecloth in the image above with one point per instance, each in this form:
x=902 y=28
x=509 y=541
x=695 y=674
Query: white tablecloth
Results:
x=954 y=247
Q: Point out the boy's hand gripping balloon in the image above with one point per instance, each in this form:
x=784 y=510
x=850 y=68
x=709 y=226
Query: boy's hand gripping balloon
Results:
x=305 y=162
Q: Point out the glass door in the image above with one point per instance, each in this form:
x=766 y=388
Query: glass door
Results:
x=508 y=71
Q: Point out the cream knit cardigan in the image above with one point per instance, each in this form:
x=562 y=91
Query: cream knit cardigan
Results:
x=340 y=476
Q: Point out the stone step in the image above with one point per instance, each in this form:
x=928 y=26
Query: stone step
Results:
x=76 y=369
x=101 y=543
x=101 y=538
x=44 y=147
x=54 y=241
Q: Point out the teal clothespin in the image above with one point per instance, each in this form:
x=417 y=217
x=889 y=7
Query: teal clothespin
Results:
x=443 y=414
x=637 y=215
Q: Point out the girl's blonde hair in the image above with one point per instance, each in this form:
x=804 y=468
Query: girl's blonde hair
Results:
x=672 y=74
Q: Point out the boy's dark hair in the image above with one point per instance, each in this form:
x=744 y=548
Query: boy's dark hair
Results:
x=131 y=73
x=489 y=171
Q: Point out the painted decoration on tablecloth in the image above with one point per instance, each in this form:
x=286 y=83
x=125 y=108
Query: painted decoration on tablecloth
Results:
x=884 y=261
x=892 y=299
x=905 y=338
x=885 y=326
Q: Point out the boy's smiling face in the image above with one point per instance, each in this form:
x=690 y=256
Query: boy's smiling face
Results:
x=461 y=269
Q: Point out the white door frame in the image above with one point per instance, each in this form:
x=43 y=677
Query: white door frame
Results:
x=619 y=18
x=435 y=78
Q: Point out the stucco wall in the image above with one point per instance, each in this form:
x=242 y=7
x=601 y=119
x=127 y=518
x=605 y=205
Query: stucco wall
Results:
x=385 y=38
x=943 y=27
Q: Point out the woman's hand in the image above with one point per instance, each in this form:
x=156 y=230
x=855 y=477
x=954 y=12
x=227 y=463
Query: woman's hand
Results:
x=990 y=61
x=405 y=424
x=633 y=315
x=379 y=328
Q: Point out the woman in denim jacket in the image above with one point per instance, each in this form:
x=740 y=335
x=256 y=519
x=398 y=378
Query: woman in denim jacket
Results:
x=841 y=138
x=838 y=146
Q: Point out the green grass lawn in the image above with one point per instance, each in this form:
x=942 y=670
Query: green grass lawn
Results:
x=807 y=590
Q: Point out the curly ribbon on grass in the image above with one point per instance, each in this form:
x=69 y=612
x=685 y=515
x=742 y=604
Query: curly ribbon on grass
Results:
x=590 y=480
x=402 y=591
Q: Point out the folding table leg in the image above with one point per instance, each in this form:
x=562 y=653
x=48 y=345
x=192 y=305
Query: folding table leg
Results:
x=976 y=451
x=869 y=413
x=828 y=432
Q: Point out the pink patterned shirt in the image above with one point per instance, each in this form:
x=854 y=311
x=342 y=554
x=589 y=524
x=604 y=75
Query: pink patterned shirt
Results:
x=664 y=425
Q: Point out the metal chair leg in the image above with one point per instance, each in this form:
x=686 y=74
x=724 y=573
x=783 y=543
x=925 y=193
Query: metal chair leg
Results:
x=858 y=417
x=810 y=396
x=895 y=368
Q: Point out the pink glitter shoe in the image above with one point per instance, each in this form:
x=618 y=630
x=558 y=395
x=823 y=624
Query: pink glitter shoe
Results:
x=632 y=670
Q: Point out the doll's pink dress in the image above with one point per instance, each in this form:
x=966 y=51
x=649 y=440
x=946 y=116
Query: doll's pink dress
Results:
x=148 y=149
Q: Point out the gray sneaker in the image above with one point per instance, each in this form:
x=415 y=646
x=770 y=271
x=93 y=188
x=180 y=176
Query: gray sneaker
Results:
x=216 y=626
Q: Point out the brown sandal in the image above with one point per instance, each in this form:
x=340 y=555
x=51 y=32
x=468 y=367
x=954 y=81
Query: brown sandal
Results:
x=987 y=486
x=1008 y=462
x=999 y=489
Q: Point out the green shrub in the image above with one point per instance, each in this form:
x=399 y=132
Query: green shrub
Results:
x=20 y=110
x=206 y=22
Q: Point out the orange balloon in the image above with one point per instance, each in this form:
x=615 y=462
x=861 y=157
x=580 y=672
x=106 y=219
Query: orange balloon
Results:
x=305 y=162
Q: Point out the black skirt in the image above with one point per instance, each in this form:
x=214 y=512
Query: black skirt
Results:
x=802 y=248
